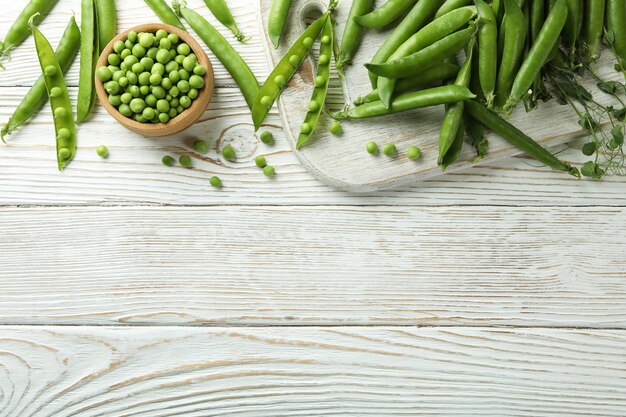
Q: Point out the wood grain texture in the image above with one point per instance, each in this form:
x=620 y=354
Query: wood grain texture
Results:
x=313 y=266
x=311 y=372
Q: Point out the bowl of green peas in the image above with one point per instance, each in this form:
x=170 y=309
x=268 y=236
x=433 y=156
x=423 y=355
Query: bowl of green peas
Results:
x=155 y=80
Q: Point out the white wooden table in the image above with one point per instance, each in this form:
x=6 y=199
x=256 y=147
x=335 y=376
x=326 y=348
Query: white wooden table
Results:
x=132 y=289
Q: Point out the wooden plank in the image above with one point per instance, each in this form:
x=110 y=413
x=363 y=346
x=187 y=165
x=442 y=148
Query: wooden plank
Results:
x=95 y=371
x=313 y=266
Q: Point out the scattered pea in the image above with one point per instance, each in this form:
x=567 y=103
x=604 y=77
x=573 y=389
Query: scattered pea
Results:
x=336 y=129
x=168 y=161
x=201 y=146
x=414 y=153
x=269 y=171
x=185 y=161
x=267 y=137
x=260 y=161
x=215 y=182
x=372 y=148
x=229 y=153
x=102 y=151
x=390 y=150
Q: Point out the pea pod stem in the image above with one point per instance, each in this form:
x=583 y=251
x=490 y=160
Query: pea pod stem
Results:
x=59 y=98
x=352 y=33
x=409 y=101
x=37 y=96
x=222 y=13
x=285 y=70
x=517 y=138
x=165 y=13
x=279 y=13
x=89 y=52
x=385 y=14
x=18 y=32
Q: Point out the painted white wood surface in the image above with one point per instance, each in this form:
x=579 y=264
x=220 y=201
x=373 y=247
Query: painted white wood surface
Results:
x=343 y=371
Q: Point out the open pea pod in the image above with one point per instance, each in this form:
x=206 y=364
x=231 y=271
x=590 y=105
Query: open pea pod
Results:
x=285 y=70
x=322 y=79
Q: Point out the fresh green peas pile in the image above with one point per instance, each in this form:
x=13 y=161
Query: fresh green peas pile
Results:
x=152 y=77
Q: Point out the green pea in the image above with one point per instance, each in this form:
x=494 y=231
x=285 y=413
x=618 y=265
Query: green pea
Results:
x=114 y=59
x=164 y=117
x=123 y=82
x=115 y=100
x=118 y=46
x=215 y=182
x=183 y=49
x=229 y=153
x=132 y=36
x=56 y=92
x=199 y=70
x=148 y=113
x=147 y=63
x=185 y=102
x=390 y=150
x=112 y=87
x=266 y=101
x=137 y=105
x=144 y=78
x=307 y=42
x=294 y=60
x=306 y=128
x=280 y=80
x=260 y=161
x=336 y=129
x=113 y=68
x=126 y=98
x=180 y=109
x=183 y=86
x=174 y=76
x=193 y=93
x=173 y=38
x=158 y=68
x=163 y=106
x=144 y=90
x=169 y=98
x=195 y=81
x=60 y=112
x=146 y=40
x=172 y=113
x=155 y=79
x=269 y=171
x=324 y=60
x=125 y=110
x=168 y=161
x=372 y=148
x=137 y=68
x=117 y=75
x=201 y=146
x=64 y=154
x=139 y=118
x=174 y=92
x=51 y=71
x=414 y=153
x=174 y=102
x=165 y=44
x=184 y=74
x=64 y=133
x=320 y=81
x=128 y=43
x=167 y=84
x=132 y=78
x=130 y=60
x=185 y=161
x=102 y=151
x=314 y=107
x=104 y=74
x=151 y=100
x=325 y=39
x=171 y=66
x=125 y=53
x=179 y=59
x=152 y=53
x=267 y=137
x=139 y=51
x=163 y=56
x=160 y=34
x=189 y=63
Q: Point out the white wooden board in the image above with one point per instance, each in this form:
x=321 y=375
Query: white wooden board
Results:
x=343 y=163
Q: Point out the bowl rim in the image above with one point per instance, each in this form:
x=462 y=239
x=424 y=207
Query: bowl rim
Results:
x=186 y=118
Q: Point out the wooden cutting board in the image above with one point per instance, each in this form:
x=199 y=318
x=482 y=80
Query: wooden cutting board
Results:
x=343 y=163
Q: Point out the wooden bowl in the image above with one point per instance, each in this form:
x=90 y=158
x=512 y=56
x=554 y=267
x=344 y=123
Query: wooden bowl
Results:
x=180 y=122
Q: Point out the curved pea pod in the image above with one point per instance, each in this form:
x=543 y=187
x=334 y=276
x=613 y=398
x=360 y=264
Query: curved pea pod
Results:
x=538 y=54
x=425 y=58
x=89 y=51
x=593 y=26
x=277 y=19
x=453 y=118
x=385 y=14
x=322 y=79
x=414 y=21
x=516 y=137
x=18 y=32
x=439 y=73
x=352 y=33
x=106 y=15
x=425 y=98
x=165 y=13
x=429 y=34
x=487 y=50
x=59 y=98
x=37 y=96
x=616 y=29
x=451 y=5
x=285 y=70
x=514 y=42
x=222 y=13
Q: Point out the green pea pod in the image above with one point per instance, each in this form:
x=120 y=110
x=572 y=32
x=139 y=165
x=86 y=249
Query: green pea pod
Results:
x=425 y=98
x=88 y=59
x=320 y=91
x=441 y=72
x=352 y=33
x=107 y=22
x=425 y=58
x=455 y=149
x=414 y=21
x=278 y=17
x=285 y=70
x=232 y=61
x=385 y=14
x=516 y=137
x=165 y=13
x=37 y=96
x=538 y=54
x=18 y=32
x=616 y=27
x=593 y=27
x=59 y=98
x=573 y=24
x=454 y=113
x=514 y=35
x=222 y=13
x=487 y=50
x=451 y=5
x=429 y=34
